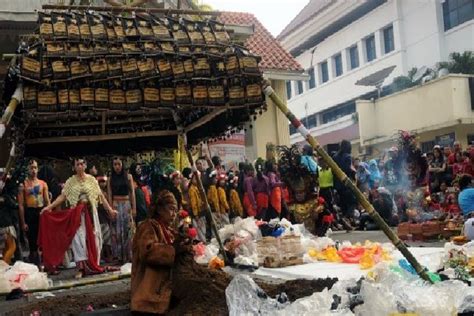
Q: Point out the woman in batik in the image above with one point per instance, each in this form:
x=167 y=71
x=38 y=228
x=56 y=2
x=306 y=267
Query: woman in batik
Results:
x=122 y=197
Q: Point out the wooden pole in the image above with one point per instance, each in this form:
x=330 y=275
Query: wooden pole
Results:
x=202 y=192
x=422 y=272
x=17 y=98
x=118 y=9
x=206 y=203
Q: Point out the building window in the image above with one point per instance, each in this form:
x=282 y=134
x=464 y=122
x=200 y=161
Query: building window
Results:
x=388 y=41
x=288 y=89
x=456 y=12
x=354 y=56
x=312 y=78
x=292 y=129
x=338 y=112
x=370 y=48
x=338 y=65
x=427 y=147
x=299 y=87
x=324 y=72
x=470 y=139
x=311 y=121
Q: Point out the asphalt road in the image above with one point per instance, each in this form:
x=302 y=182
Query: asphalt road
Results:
x=378 y=236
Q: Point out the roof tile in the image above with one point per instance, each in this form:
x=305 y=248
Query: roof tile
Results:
x=262 y=43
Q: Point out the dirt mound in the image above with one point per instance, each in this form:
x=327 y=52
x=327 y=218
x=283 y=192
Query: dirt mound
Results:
x=297 y=288
x=73 y=304
x=196 y=290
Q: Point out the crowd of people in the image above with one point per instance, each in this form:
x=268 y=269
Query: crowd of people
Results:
x=421 y=190
x=300 y=187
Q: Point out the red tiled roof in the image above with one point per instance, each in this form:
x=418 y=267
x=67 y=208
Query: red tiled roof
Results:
x=262 y=43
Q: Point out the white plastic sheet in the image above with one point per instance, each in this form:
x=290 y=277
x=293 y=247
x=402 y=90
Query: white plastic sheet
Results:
x=391 y=293
x=126 y=268
x=22 y=275
x=429 y=257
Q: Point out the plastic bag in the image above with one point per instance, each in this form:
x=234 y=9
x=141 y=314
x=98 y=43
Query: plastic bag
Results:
x=247 y=261
x=216 y=263
x=5 y=286
x=331 y=255
x=210 y=251
x=367 y=261
x=35 y=281
x=245 y=297
x=199 y=249
x=126 y=268
x=351 y=254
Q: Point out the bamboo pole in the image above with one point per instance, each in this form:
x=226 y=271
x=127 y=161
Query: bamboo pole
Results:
x=17 y=98
x=70 y=285
x=11 y=160
x=422 y=272
x=120 y=9
x=202 y=192
x=206 y=203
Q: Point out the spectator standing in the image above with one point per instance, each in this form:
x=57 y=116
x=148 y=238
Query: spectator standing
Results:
x=452 y=157
x=33 y=195
x=437 y=169
x=344 y=161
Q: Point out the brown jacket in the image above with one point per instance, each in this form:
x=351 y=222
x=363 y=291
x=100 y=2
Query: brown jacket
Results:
x=151 y=269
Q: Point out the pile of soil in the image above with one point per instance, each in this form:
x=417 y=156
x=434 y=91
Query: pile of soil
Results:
x=196 y=290
x=73 y=304
x=296 y=289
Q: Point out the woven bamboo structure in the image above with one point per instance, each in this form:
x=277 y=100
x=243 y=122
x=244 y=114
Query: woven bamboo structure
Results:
x=115 y=79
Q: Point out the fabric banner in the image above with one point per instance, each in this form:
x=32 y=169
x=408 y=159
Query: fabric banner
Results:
x=231 y=150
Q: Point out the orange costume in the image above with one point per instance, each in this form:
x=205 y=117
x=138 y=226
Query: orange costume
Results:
x=235 y=204
x=213 y=198
x=195 y=199
x=224 y=205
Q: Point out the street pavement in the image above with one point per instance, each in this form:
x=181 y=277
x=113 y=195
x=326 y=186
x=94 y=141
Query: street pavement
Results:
x=121 y=285
x=379 y=236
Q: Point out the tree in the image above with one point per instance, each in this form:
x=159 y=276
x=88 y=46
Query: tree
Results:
x=199 y=5
x=404 y=82
x=459 y=63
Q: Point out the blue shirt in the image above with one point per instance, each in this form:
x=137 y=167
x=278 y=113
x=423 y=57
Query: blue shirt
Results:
x=310 y=164
x=466 y=201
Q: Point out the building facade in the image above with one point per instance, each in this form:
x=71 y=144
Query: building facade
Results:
x=341 y=42
x=439 y=111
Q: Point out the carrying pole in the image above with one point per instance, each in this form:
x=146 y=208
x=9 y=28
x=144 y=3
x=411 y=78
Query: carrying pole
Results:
x=207 y=207
x=16 y=99
x=422 y=272
x=200 y=186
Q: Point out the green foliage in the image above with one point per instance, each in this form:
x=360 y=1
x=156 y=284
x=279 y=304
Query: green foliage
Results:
x=402 y=83
x=459 y=63
x=198 y=5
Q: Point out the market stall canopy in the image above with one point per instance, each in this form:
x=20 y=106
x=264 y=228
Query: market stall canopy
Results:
x=131 y=82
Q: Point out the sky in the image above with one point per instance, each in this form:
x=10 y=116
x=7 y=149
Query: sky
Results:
x=273 y=14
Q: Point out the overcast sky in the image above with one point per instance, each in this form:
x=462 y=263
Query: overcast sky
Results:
x=274 y=14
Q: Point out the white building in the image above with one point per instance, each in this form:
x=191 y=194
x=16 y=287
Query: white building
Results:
x=340 y=42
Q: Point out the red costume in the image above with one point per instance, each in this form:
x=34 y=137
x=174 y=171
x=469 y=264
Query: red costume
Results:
x=57 y=230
